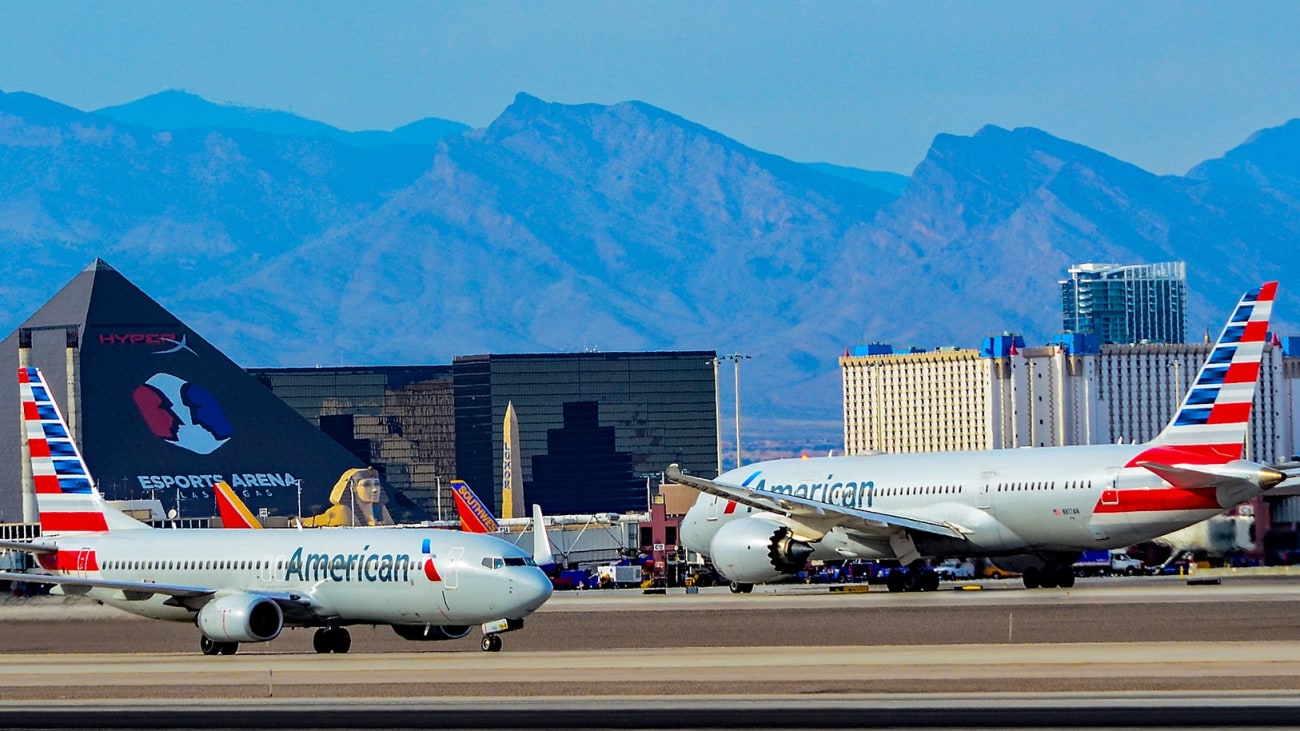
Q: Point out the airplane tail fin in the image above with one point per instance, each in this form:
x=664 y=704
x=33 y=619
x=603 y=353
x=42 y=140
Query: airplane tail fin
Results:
x=234 y=513
x=1210 y=425
x=475 y=517
x=65 y=497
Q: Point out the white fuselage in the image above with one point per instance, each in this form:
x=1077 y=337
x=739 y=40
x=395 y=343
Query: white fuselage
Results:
x=1055 y=499
x=348 y=575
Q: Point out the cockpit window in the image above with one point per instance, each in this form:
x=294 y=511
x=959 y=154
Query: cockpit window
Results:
x=493 y=562
x=521 y=561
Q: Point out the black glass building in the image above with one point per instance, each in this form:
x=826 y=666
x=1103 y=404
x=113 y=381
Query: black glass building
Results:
x=592 y=426
x=397 y=419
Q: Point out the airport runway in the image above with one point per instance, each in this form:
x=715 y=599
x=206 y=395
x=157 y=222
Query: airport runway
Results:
x=1153 y=650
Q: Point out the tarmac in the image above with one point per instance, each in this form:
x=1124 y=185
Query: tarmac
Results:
x=1134 y=650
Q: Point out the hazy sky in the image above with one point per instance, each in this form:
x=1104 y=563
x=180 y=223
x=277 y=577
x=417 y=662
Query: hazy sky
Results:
x=1163 y=85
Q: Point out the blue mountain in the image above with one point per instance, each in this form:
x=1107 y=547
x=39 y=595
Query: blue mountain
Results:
x=179 y=110
x=615 y=227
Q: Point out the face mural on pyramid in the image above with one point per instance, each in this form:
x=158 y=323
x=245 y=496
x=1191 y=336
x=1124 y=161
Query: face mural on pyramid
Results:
x=182 y=413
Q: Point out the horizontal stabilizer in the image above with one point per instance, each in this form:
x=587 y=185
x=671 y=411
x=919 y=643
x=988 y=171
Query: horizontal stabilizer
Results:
x=1190 y=477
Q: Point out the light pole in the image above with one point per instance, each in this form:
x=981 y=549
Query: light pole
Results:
x=736 y=358
x=717 y=410
x=299 y=484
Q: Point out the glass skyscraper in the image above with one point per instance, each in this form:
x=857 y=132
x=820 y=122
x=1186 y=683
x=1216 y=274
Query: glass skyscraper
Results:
x=1140 y=303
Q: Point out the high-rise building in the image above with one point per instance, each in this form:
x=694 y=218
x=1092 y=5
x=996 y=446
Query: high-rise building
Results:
x=592 y=426
x=1140 y=303
x=1006 y=395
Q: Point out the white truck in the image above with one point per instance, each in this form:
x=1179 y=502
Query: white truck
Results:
x=1108 y=563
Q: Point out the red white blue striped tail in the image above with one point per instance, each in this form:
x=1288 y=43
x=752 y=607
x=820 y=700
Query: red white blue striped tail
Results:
x=1210 y=426
x=65 y=496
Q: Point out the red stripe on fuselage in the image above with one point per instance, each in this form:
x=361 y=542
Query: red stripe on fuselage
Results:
x=68 y=561
x=56 y=522
x=1160 y=499
x=731 y=507
x=1188 y=454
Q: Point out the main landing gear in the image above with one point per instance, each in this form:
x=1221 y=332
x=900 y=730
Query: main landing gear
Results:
x=738 y=587
x=915 y=578
x=331 y=640
x=491 y=643
x=1049 y=576
x=212 y=647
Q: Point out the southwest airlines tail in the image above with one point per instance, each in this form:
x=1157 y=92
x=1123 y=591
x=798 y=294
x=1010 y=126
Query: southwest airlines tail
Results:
x=1210 y=426
x=67 y=500
x=474 y=515
x=234 y=513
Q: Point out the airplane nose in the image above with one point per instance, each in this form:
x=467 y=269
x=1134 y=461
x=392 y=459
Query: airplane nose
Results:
x=532 y=589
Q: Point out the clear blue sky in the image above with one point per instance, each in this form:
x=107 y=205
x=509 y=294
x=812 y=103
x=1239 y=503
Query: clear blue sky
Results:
x=1163 y=85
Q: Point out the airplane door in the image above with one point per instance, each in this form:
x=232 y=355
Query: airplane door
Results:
x=984 y=497
x=455 y=557
x=711 y=513
x=83 y=561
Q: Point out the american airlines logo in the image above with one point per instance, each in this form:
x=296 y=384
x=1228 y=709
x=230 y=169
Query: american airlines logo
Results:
x=380 y=568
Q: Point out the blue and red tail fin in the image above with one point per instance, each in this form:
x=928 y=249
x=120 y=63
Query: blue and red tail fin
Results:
x=474 y=515
x=1210 y=426
x=65 y=496
x=234 y=513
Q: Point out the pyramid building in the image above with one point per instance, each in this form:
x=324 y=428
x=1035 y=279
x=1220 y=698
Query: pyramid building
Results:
x=158 y=411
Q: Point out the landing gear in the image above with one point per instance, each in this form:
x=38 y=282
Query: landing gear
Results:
x=331 y=640
x=212 y=647
x=741 y=588
x=491 y=643
x=915 y=578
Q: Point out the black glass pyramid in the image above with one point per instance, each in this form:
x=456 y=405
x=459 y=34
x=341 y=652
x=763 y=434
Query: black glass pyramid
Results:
x=162 y=412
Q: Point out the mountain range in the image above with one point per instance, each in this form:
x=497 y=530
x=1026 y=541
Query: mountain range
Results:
x=287 y=242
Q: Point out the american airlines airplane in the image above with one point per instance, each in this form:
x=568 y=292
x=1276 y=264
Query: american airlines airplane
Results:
x=1032 y=510
x=248 y=585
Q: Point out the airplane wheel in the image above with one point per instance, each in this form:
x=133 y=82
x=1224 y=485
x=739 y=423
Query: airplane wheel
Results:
x=895 y=580
x=491 y=643
x=1030 y=577
x=1066 y=579
x=331 y=640
x=929 y=581
x=208 y=646
x=229 y=648
x=740 y=588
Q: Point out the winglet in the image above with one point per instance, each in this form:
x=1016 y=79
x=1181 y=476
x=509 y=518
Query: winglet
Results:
x=542 y=555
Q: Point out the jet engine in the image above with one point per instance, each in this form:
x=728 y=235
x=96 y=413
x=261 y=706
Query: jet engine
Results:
x=241 y=618
x=430 y=632
x=753 y=551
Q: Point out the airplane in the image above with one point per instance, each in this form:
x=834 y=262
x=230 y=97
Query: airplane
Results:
x=1033 y=511
x=247 y=586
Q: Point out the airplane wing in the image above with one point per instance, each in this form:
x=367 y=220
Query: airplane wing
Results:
x=295 y=606
x=797 y=507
